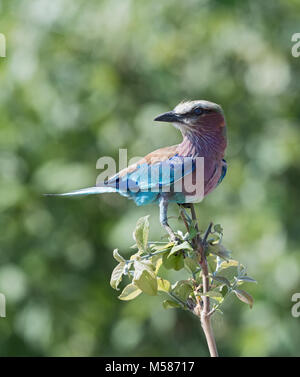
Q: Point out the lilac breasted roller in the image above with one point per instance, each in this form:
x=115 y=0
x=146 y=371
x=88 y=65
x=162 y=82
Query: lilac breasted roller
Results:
x=153 y=178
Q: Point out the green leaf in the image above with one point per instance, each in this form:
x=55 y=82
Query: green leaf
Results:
x=218 y=228
x=116 y=275
x=215 y=239
x=163 y=285
x=182 y=289
x=224 y=290
x=166 y=246
x=229 y=269
x=182 y=246
x=230 y=263
x=158 y=263
x=191 y=265
x=175 y=262
x=222 y=280
x=146 y=282
x=244 y=297
x=130 y=292
x=212 y=263
x=220 y=250
x=246 y=279
x=140 y=266
x=117 y=256
x=141 y=233
x=168 y=304
x=214 y=295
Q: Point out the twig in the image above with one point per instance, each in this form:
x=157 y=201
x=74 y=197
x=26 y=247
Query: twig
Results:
x=182 y=214
x=203 y=311
x=150 y=255
x=194 y=217
x=208 y=230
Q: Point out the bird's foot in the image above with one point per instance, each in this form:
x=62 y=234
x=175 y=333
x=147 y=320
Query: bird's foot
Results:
x=173 y=237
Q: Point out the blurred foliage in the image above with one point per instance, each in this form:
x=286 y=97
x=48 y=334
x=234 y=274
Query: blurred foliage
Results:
x=84 y=78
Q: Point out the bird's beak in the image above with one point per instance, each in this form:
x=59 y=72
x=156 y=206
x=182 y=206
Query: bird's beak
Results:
x=170 y=116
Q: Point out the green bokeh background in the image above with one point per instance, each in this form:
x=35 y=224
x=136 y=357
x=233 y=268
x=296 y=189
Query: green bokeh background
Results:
x=83 y=79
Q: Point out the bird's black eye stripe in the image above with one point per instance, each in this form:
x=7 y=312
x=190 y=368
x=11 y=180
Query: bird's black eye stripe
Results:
x=198 y=111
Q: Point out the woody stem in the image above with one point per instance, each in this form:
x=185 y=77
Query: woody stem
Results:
x=204 y=310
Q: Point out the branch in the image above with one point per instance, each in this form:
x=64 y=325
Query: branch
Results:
x=199 y=292
x=203 y=311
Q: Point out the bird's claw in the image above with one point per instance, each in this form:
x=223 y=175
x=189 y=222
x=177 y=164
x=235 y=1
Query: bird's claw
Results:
x=175 y=239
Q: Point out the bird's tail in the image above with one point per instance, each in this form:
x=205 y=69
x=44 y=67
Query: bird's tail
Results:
x=86 y=191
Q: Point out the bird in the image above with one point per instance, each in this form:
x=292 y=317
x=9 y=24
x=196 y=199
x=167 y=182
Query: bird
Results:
x=153 y=178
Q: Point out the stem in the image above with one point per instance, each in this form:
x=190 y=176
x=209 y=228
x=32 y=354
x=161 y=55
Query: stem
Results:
x=198 y=239
x=150 y=255
x=205 y=316
x=208 y=332
x=182 y=213
x=203 y=311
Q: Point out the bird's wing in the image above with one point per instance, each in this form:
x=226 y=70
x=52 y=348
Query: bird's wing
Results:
x=159 y=168
x=158 y=155
x=223 y=172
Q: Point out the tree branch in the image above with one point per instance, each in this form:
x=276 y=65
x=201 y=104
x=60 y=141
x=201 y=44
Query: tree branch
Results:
x=203 y=311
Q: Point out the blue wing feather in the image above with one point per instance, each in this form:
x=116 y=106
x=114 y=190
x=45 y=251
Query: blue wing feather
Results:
x=164 y=173
x=224 y=171
x=146 y=181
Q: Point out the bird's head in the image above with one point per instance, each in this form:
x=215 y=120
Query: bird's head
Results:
x=197 y=115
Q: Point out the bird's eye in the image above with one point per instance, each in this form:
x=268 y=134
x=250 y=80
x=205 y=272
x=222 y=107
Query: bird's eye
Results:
x=198 y=111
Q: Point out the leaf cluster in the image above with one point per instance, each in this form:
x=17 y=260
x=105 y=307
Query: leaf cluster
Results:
x=143 y=270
